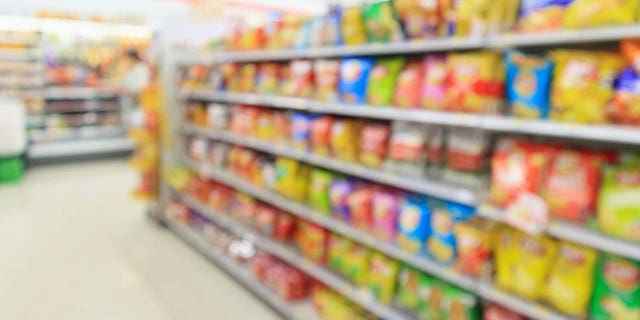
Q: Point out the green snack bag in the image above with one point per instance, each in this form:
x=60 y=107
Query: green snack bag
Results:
x=338 y=250
x=318 y=198
x=356 y=262
x=618 y=204
x=413 y=288
x=381 y=22
x=616 y=294
x=382 y=80
x=460 y=305
x=431 y=308
x=382 y=277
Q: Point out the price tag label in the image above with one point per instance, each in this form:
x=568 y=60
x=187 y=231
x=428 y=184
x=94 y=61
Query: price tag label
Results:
x=528 y=213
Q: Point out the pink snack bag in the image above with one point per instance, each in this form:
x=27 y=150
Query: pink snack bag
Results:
x=433 y=89
x=385 y=214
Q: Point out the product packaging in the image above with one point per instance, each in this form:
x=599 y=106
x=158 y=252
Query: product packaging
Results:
x=319 y=199
x=624 y=108
x=345 y=139
x=420 y=19
x=354 y=73
x=373 y=143
x=475 y=82
x=385 y=205
x=360 y=207
x=382 y=80
x=339 y=192
x=380 y=22
x=406 y=153
x=300 y=83
x=300 y=129
x=413 y=223
x=353 y=30
x=618 y=207
x=409 y=85
x=383 y=272
x=528 y=85
x=474 y=245
x=434 y=84
x=616 y=294
x=593 y=13
x=327 y=76
x=320 y=136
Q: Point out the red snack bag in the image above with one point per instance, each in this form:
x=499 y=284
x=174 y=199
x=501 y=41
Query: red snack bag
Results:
x=409 y=85
x=517 y=166
x=220 y=197
x=288 y=283
x=571 y=187
x=312 y=241
x=265 y=218
x=200 y=188
x=244 y=119
x=497 y=312
x=360 y=207
x=281 y=124
x=320 y=137
x=261 y=263
x=373 y=143
x=467 y=150
x=284 y=227
x=327 y=75
x=300 y=83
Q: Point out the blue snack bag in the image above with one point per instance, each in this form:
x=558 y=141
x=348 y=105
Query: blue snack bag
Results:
x=300 y=129
x=413 y=223
x=354 y=73
x=442 y=242
x=528 y=85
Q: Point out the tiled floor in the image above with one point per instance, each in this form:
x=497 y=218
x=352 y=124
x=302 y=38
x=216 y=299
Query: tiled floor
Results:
x=74 y=246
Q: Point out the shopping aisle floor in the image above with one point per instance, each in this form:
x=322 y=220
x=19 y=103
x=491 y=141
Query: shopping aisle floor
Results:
x=74 y=246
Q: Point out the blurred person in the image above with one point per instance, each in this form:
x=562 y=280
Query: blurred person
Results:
x=135 y=79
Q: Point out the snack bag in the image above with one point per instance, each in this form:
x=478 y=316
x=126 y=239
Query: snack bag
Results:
x=360 y=208
x=475 y=82
x=582 y=85
x=285 y=227
x=528 y=85
x=198 y=149
x=506 y=257
x=339 y=191
x=248 y=73
x=353 y=31
x=381 y=23
x=433 y=305
x=320 y=137
x=291 y=178
x=571 y=187
x=382 y=80
x=373 y=143
x=281 y=125
x=267 y=78
x=420 y=19
x=217 y=116
x=467 y=18
x=434 y=84
x=300 y=129
x=354 y=73
x=625 y=106
x=541 y=15
x=331 y=33
x=319 y=199
x=337 y=250
x=300 y=83
x=435 y=146
x=312 y=241
x=616 y=294
x=385 y=207
x=407 y=148
x=441 y=243
x=382 y=277
x=460 y=305
x=409 y=293
x=265 y=129
x=217 y=154
x=536 y=255
x=230 y=76
x=498 y=312
x=618 y=207
x=357 y=264
x=327 y=76
x=242 y=208
x=409 y=85
x=345 y=139
x=474 y=244
x=265 y=218
x=467 y=149
x=594 y=13
x=413 y=223
x=569 y=285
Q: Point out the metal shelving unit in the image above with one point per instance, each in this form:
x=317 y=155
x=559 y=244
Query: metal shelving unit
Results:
x=78 y=147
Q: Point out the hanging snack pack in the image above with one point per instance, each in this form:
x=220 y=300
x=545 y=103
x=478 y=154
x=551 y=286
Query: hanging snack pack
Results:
x=354 y=73
x=474 y=82
x=618 y=207
x=616 y=294
x=413 y=223
x=327 y=76
x=406 y=153
x=434 y=83
x=382 y=80
x=593 y=13
x=420 y=19
x=381 y=23
x=319 y=199
x=528 y=85
x=582 y=85
x=353 y=30
x=373 y=143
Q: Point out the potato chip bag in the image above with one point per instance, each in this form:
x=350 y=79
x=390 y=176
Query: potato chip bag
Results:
x=300 y=129
x=616 y=294
x=582 y=85
x=311 y=239
x=475 y=82
x=353 y=30
x=528 y=85
x=385 y=205
x=467 y=18
x=345 y=139
x=570 y=282
x=474 y=244
x=460 y=305
x=360 y=207
x=413 y=223
x=420 y=19
x=291 y=178
x=356 y=263
x=541 y=15
x=320 y=135
x=595 y=13
x=381 y=23
x=373 y=143
x=618 y=207
x=433 y=87
x=319 y=199
x=535 y=257
x=300 y=82
x=406 y=153
x=265 y=125
x=337 y=249
x=625 y=106
x=382 y=277
x=412 y=287
x=382 y=80
x=506 y=257
x=248 y=72
x=354 y=74
x=339 y=192
x=409 y=85
x=327 y=76
x=268 y=78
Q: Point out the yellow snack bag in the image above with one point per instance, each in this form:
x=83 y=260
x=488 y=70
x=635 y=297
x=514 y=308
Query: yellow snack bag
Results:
x=353 y=31
x=595 y=13
x=570 y=282
x=583 y=85
x=345 y=139
x=467 y=18
x=291 y=178
x=506 y=256
x=536 y=254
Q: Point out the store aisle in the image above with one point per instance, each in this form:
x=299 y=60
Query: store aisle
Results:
x=74 y=246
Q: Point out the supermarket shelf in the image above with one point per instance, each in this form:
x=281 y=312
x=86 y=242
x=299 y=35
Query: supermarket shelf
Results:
x=603 y=133
x=70 y=148
x=78 y=93
x=243 y=274
x=563 y=37
x=577 y=234
x=283 y=252
x=434 y=188
x=528 y=308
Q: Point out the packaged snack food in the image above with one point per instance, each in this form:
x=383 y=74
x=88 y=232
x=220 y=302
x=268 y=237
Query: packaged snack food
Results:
x=433 y=305
x=541 y=16
x=409 y=85
x=300 y=129
x=356 y=264
x=528 y=85
x=291 y=178
x=624 y=108
x=420 y=19
x=498 y=312
x=196 y=114
x=441 y=242
x=230 y=76
x=630 y=50
x=244 y=119
x=382 y=80
x=413 y=223
x=406 y=153
x=618 y=208
x=535 y=257
x=571 y=186
x=460 y=305
x=248 y=73
x=243 y=207
x=593 y=13
x=360 y=207
x=338 y=248
x=373 y=143
x=435 y=146
x=281 y=124
x=198 y=149
x=381 y=23
x=354 y=73
x=267 y=78
x=475 y=82
x=217 y=154
x=345 y=139
x=220 y=197
x=327 y=76
x=339 y=191
x=300 y=83
x=353 y=31
x=330 y=32
x=506 y=256
x=312 y=241
x=319 y=199
x=382 y=277
x=570 y=281
x=320 y=136
x=434 y=84
x=385 y=206
x=217 y=116
x=265 y=218
x=582 y=85
x=285 y=227
x=467 y=18
x=467 y=149
x=413 y=287
x=288 y=32
x=265 y=128
x=474 y=244
x=616 y=294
